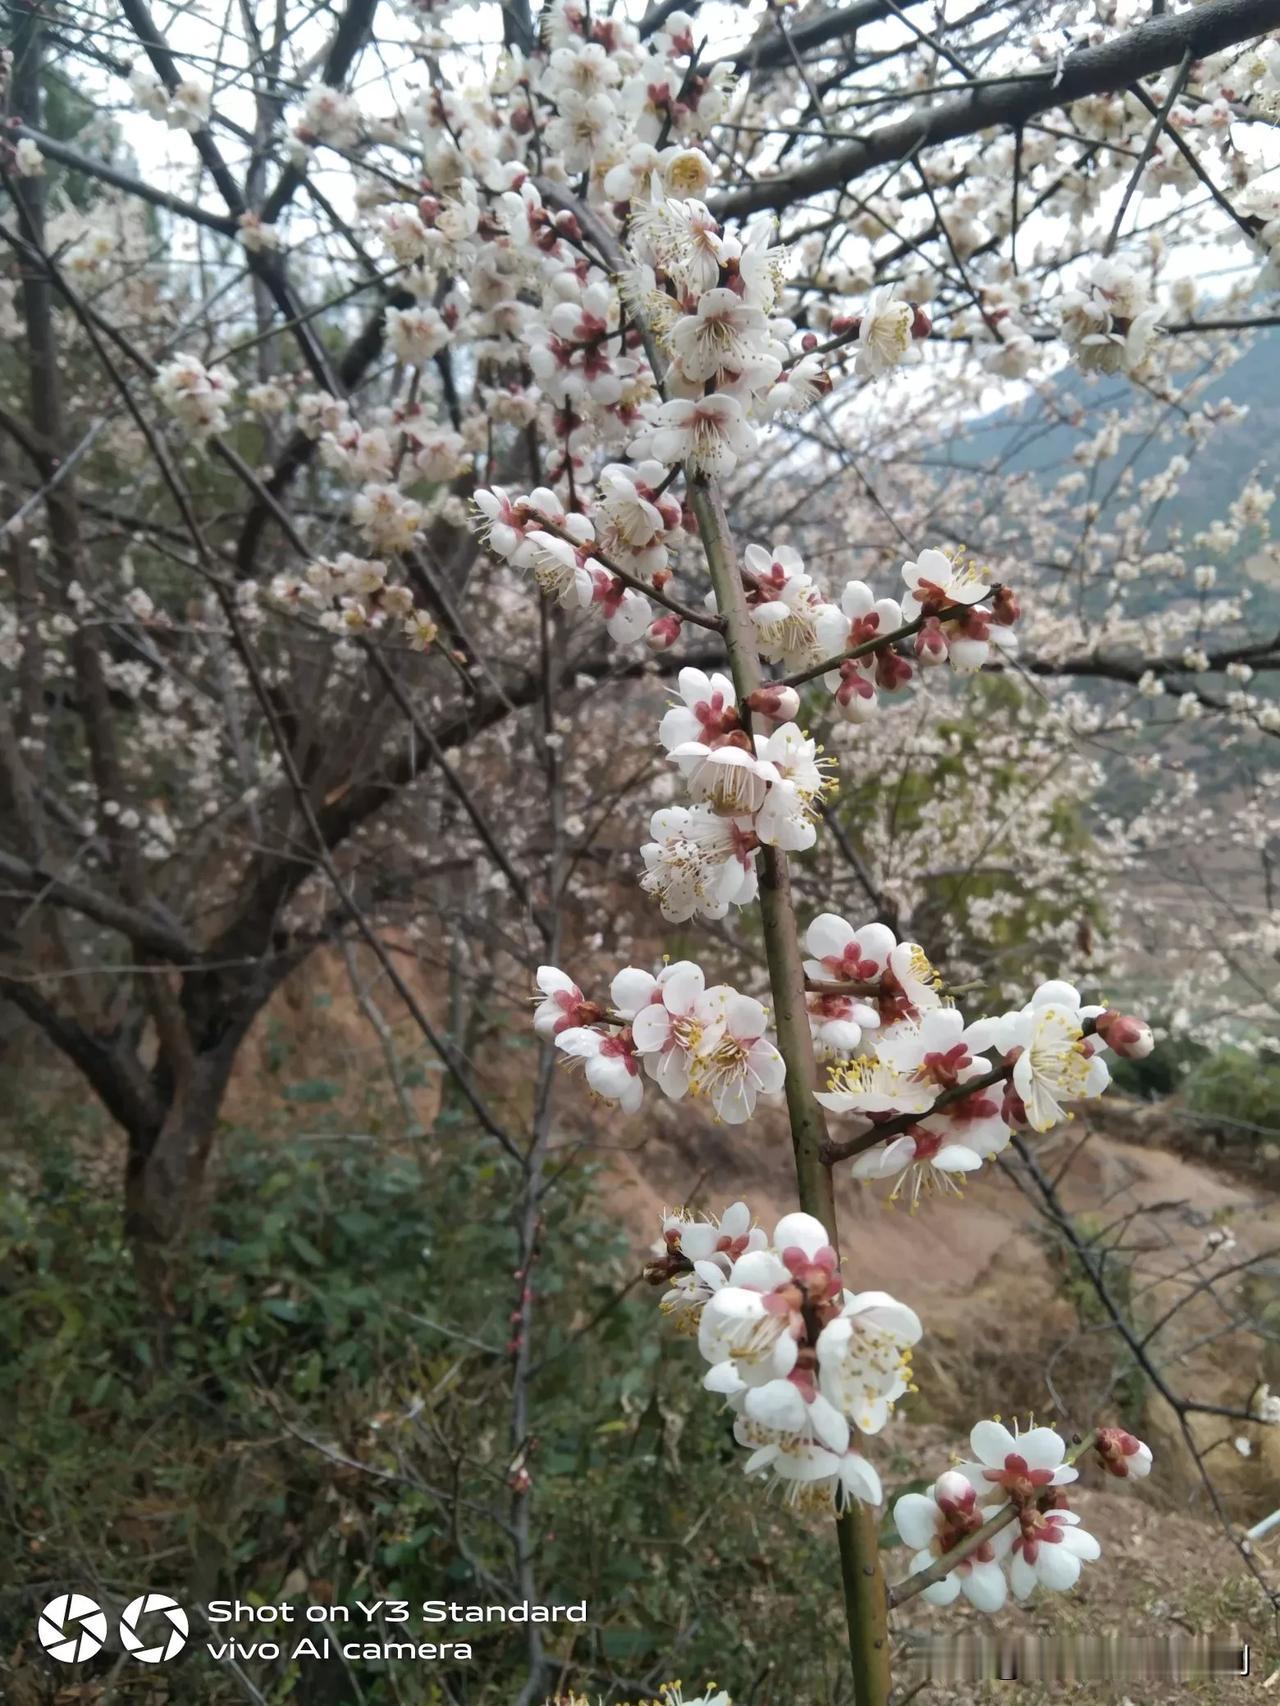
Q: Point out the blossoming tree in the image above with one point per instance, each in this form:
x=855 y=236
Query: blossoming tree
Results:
x=583 y=348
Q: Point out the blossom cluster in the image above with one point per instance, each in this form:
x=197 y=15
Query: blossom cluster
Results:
x=197 y=396
x=1024 y=1474
x=1108 y=322
x=352 y=595
x=690 y=1039
x=934 y=1095
x=805 y=1365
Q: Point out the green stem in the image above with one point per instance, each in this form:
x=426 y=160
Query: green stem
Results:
x=865 y=1598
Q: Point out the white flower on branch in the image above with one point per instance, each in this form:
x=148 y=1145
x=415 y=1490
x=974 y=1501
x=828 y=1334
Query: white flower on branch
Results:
x=1053 y=1061
x=935 y=1523
x=1020 y=1465
x=196 y=395
x=885 y=334
x=721 y=335
x=1049 y=1551
x=709 y=434
x=416 y=334
x=864 y=1357
x=936 y=580
x=698 y=863
x=708 y=709
x=612 y=1068
x=1107 y=322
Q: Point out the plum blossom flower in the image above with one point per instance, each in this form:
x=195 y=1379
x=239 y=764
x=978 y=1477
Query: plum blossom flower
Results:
x=720 y=336
x=935 y=1523
x=884 y=336
x=416 y=334
x=859 y=619
x=704 y=1238
x=1053 y=1062
x=695 y=1255
x=927 y=1157
x=1049 y=1551
x=707 y=709
x=557 y=568
x=936 y=580
x=787 y=817
x=612 y=1068
x=741 y=1066
x=838 y=1022
x=561 y=1005
x=683 y=1019
x=815 y=1478
x=1021 y=1465
x=786 y=606
x=1108 y=322
x=729 y=775
x=698 y=863
x=864 y=1357
x=869 y=1086
x=388 y=520
x=841 y=954
x=710 y=434
x=195 y=394
x=937 y=1049
x=750 y=1332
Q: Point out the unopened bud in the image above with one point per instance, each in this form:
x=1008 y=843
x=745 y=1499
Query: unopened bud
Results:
x=663 y=633
x=921 y=324
x=1123 y=1455
x=931 y=642
x=842 y=323
x=809 y=342
x=772 y=700
x=953 y=1492
x=1005 y=609
x=892 y=671
x=1129 y=1037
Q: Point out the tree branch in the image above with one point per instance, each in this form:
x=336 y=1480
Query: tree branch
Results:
x=1152 y=46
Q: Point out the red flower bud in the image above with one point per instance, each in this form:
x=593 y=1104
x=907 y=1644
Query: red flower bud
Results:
x=1005 y=609
x=772 y=700
x=663 y=633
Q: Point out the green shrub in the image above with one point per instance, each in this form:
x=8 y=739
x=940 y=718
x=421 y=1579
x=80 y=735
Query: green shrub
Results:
x=346 y=1304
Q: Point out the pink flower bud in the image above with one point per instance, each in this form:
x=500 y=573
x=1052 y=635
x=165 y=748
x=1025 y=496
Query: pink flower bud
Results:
x=953 y=1492
x=1129 y=1037
x=1123 y=1455
x=780 y=703
x=921 y=325
x=931 y=642
x=663 y=633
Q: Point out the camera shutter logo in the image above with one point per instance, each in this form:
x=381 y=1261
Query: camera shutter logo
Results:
x=72 y=1628
x=166 y=1634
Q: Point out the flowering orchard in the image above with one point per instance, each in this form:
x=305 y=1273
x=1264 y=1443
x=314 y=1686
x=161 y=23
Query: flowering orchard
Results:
x=402 y=394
